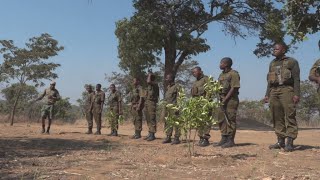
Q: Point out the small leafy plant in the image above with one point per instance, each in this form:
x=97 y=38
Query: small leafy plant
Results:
x=195 y=112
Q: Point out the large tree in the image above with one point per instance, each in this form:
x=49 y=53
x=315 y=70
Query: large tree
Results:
x=173 y=29
x=29 y=64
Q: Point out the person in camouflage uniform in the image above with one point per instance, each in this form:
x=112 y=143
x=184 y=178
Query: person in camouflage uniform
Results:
x=115 y=107
x=314 y=74
x=283 y=93
x=137 y=103
x=97 y=105
x=229 y=79
x=88 y=103
x=171 y=98
x=51 y=95
x=196 y=91
x=151 y=100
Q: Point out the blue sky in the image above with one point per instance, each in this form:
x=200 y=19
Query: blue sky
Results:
x=86 y=30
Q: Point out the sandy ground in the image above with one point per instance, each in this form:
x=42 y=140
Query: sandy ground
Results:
x=68 y=153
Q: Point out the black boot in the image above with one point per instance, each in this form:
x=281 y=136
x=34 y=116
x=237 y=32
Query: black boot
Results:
x=146 y=138
x=89 y=131
x=137 y=135
x=289 y=146
x=176 y=140
x=200 y=141
x=280 y=144
x=48 y=130
x=115 y=133
x=43 y=129
x=222 y=141
x=98 y=132
x=151 y=137
x=205 y=142
x=167 y=140
x=229 y=143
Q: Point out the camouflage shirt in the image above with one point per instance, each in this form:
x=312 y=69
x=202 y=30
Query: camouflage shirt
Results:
x=51 y=96
x=99 y=98
x=228 y=80
x=315 y=70
x=285 y=72
x=172 y=94
x=152 y=93
x=198 y=86
x=89 y=98
x=114 y=98
x=136 y=94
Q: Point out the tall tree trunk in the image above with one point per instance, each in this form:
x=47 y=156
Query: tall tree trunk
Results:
x=13 y=111
x=170 y=57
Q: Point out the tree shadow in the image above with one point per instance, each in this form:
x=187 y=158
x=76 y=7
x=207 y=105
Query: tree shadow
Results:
x=303 y=129
x=21 y=151
x=305 y=147
x=38 y=147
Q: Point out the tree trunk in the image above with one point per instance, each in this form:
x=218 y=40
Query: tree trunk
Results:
x=13 y=111
x=170 y=57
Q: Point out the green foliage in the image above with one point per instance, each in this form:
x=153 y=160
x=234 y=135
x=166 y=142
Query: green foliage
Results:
x=28 y=93
x=110 y=115
x=29 y=64
x=195 y=112
x=174 y=29
x=303 y=18
x=65 y=111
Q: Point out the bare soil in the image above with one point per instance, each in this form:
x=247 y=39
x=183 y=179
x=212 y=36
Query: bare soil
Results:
x=68 y=153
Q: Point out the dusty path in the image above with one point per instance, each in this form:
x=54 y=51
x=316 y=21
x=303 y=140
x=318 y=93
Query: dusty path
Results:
x=67 y=153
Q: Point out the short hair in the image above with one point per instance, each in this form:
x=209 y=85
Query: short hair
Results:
x=198 y=68
x=99 y=85
x=152 y=77
x=228 y=61
x=113 y=85
x=283 y=44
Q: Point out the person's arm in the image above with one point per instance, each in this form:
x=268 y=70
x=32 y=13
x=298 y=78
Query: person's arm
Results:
x=91 y=101
x=102 y=101
x=141 y=100
x=313 y=74
x=57 y=97
x=120 y=103
x=266 y=97
x=41 y=96
x=296 y=81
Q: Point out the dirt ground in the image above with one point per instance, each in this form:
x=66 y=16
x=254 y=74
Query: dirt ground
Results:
x=68 y=153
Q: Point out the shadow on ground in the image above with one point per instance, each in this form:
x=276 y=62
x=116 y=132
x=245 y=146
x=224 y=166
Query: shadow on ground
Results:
x=37 y=147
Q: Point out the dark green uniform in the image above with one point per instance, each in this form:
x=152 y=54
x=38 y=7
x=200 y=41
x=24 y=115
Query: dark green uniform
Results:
x=196 y=91
x=114 y=101
x=283 y=83
x=47 y=108
x=315 y=70
x=152 y=96
x=228 y=80
x=88 y=109
x=136 y=95
x=171 y=98
x=99 y=98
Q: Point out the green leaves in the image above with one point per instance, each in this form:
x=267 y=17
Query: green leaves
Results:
x=195 y=112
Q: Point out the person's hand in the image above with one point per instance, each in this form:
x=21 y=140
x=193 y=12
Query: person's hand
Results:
x=296 y=99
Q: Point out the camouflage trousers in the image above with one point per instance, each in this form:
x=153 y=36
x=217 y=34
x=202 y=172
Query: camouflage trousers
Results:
x=114 y=121
x=169 y=128
x=230 y=112
x=97 y=115
x=150 y=112
x=137 y=118
x=89 y=118
x=47 y=111
x=283 y=111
